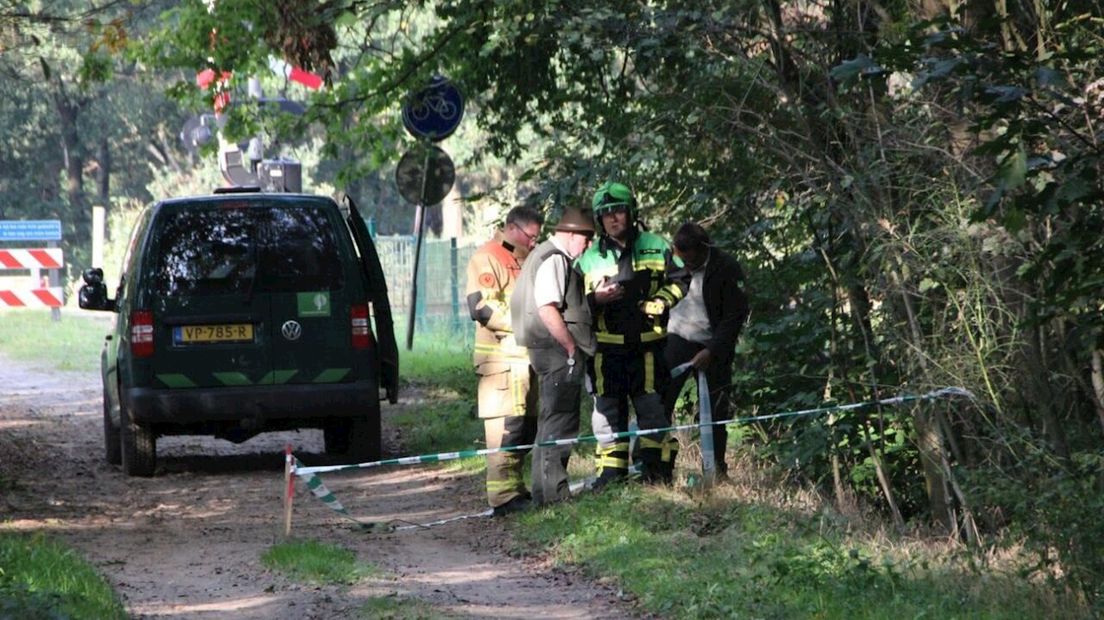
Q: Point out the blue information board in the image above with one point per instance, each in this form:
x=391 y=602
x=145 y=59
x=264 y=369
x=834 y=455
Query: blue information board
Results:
x=30 y=230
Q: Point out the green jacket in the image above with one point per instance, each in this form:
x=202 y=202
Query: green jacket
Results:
x=648 y=271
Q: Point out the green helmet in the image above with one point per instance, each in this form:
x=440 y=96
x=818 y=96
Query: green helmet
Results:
x=611 y=196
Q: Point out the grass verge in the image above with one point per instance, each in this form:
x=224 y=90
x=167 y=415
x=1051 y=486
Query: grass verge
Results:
x=39 y=578
x=438 y=371
x=728 y=557
x=73 y=343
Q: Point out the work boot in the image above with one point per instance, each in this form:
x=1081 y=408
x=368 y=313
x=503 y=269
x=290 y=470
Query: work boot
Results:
x=518 y=504
x=657 y=460
x=608 y=476
x=611 y=463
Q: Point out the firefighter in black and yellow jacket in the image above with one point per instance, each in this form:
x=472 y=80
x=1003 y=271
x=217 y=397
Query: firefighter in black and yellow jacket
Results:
x=507 y=388
x=630 y=322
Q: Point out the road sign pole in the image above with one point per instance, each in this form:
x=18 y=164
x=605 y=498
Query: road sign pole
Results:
x=420 y=216
x=54 y=279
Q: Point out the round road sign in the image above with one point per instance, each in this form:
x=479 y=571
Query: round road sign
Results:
x=428 y=168
x=434 y=112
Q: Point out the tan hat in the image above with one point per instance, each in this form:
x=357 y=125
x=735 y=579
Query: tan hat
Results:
x=576 y=221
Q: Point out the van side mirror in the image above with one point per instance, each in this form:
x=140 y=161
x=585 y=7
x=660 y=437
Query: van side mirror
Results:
x=93 y=295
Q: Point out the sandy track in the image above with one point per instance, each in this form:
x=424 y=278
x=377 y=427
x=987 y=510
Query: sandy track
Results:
x=187 y=543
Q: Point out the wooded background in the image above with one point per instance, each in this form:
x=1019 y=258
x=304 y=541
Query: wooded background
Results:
x=913 y=186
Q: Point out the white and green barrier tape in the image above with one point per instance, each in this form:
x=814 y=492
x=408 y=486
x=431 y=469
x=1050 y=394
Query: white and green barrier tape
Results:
x=463 y=454
x=309 y=475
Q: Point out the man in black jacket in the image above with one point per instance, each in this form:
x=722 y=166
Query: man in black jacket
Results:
x=704 y=326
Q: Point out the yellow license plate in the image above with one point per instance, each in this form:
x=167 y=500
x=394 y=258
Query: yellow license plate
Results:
x=204 y=334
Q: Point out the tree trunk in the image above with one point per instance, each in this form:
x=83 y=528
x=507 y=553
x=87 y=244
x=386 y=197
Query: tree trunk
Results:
x=68 y=112
x=932 y=457
x=929 y=440
x=103 y=176
x=1041 y=395
x=1098 y=384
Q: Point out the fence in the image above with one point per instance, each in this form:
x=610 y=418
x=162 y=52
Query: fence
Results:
x=442 y=275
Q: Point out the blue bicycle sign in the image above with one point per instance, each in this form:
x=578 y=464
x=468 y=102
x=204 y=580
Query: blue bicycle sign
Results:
x=434 y=112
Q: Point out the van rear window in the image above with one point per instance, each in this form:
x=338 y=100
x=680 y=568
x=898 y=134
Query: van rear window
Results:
x=214 y=251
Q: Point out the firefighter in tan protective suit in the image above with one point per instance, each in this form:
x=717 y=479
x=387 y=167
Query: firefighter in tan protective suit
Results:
x=507 y=389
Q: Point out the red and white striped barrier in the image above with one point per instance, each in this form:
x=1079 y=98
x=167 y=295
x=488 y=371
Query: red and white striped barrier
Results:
x=44 y=258
x=31 y=298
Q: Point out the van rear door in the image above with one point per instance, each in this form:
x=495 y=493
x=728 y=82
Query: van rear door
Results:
x=312 y=295
x=211 y=327
x=381 y=303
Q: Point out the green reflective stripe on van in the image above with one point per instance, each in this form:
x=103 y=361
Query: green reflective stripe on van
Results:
x=232 y=378
x=331 y=375
x=176 y=381
x=277 y=377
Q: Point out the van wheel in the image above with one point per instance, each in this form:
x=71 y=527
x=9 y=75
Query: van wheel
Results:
x=139 y=447
x=113 y=450
x=336 y=434
x=354 y=438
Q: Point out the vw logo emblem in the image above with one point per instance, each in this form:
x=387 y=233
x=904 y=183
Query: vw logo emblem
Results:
x=291 y=330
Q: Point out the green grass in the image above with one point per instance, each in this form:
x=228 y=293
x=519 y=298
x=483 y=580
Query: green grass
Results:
x=73 y=343
x=441 y=358
x=728 y=558
x=399 y=608
x=40 y=578
x=314 y=562
x=439 y=370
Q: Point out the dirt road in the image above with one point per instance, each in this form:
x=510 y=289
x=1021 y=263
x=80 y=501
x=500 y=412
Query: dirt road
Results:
x=187 y=543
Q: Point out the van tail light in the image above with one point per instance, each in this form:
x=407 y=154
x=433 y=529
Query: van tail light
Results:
x=362 y=333
x=141 y=333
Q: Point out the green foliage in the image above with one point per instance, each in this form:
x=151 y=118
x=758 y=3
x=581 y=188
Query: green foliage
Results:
x=80 y=127
x=1056 y=508
x=40 y=578
x=311 y=561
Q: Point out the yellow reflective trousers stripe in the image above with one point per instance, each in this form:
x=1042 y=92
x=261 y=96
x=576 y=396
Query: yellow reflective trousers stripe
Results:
x=517 y=388
x=606 y=458
x=609 y=338
x=668 y=447
x=599 y=378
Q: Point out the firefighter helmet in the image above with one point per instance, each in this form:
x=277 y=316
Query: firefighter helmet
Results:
x=612 y=196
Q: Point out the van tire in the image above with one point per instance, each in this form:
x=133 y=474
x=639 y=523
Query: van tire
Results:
x=113 y=450
x=139 y=448
x=354 y=438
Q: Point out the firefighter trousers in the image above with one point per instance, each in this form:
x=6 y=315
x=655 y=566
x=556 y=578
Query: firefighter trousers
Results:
x=508 y=406
x=636 y=375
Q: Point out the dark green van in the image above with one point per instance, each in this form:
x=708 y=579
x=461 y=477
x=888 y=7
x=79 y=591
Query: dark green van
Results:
x=240 y=313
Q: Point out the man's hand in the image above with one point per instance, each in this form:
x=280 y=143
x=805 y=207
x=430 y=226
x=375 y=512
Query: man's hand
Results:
x=702 y=359
x=608 y=291
x=652 y=308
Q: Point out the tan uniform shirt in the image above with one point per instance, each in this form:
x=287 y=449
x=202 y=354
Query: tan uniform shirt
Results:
x=492 y=272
